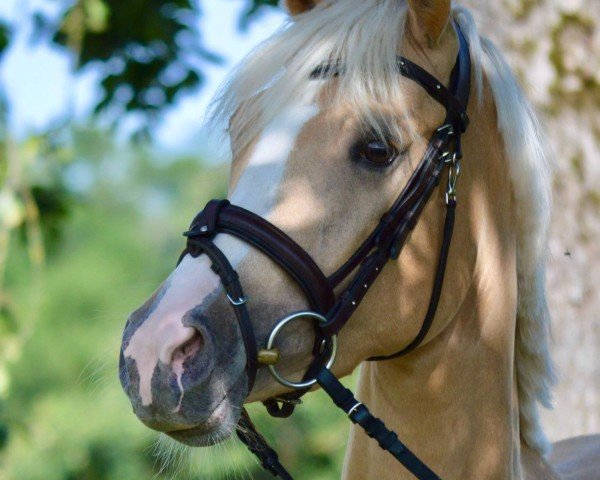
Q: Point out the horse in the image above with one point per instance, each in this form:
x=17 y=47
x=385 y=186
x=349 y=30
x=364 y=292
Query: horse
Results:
x=325 y=133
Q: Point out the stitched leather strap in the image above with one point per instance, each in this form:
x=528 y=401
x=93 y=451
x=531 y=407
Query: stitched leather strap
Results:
x=388 y=238
x=429 y=169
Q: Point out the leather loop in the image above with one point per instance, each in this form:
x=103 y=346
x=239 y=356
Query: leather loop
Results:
x=279 y=409
x=205 y=223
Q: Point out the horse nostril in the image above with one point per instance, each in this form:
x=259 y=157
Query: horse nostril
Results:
x=188 y=350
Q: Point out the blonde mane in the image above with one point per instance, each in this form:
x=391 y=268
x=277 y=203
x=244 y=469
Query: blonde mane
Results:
x=364 y=36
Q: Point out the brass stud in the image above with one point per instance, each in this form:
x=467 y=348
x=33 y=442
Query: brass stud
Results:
x=268 y=357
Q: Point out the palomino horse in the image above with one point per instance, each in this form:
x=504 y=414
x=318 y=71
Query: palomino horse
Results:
x=325 y=134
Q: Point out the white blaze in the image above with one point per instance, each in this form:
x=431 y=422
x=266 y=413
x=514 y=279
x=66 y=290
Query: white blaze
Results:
x=193 y=280
x=257 y=188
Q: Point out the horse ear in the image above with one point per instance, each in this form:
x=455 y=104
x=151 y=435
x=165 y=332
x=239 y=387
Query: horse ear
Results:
x=295 y=7
x=428 y=19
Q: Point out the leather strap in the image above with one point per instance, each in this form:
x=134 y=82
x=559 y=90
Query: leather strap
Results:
x=455 y=100
x=389 y=237
x=437 y=286
x=231 y=282
x=220 y=216
x=430 y=166
x=360 y=415
x=258 y=445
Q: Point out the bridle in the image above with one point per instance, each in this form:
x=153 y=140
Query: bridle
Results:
x=330 y=311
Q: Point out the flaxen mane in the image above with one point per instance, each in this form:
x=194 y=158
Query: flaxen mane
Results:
x=365 y=36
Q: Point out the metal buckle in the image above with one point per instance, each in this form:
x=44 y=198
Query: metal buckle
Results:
x=238 y=302
x=282 y=323
x=447 y=126
x=449 y=157
x=354 y=408
x=453 y=174
x=289 y=401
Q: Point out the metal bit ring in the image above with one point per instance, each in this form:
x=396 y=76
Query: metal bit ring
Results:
x=282 y=323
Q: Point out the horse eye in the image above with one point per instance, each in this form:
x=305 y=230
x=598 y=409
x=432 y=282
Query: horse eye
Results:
x=377 y=153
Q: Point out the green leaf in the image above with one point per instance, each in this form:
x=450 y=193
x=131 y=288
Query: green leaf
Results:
x=4 y=37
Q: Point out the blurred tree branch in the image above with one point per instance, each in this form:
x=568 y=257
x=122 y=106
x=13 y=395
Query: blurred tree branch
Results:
x=148 y=52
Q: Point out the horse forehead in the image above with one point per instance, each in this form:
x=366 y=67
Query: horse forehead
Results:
x=258 y=171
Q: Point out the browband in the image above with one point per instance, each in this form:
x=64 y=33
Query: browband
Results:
x=220 y=216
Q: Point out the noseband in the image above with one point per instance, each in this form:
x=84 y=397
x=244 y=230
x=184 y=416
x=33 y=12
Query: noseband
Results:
x=329 y=311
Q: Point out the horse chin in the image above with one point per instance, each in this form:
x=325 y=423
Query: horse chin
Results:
x=215 y=429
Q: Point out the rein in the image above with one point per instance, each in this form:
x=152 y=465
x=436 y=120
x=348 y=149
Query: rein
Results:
x=330 y=311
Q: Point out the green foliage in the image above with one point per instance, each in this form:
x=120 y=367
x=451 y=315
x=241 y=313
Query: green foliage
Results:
x=4 y=37
x=148 y=52
x=64 y=416
x=53 y=203
x=254 y=8
x=32 y=188
x=256 y=4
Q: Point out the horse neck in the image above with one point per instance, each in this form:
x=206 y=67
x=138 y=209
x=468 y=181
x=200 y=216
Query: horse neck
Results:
x=454 y=400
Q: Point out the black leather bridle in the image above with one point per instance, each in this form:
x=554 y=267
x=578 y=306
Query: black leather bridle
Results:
x=330 y=310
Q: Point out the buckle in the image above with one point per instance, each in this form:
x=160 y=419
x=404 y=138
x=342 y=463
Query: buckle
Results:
x=354 y=409
x=453 y=174
x=238 y=302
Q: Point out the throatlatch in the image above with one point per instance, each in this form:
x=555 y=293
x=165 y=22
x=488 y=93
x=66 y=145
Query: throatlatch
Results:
x=331 y=312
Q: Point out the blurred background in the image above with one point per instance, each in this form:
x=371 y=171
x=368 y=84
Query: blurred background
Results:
x=103 y=160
